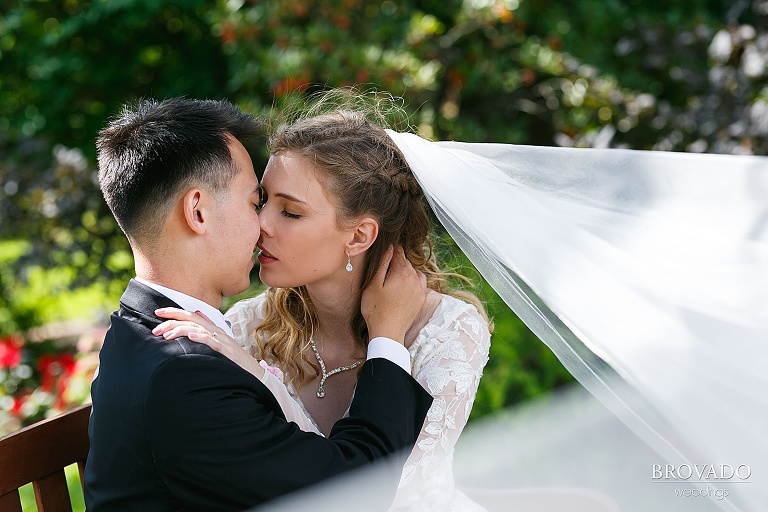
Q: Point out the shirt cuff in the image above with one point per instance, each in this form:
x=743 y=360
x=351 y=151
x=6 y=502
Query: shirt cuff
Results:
x=392 y=350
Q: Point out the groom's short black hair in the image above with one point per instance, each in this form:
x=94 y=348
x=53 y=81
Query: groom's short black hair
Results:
x=153 y=150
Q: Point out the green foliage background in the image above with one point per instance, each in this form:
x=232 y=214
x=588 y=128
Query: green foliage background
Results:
x=682 y=75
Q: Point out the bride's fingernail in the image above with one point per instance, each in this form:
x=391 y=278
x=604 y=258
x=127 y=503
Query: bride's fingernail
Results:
x=156 y=330
x=193 y=335
x=160 y=311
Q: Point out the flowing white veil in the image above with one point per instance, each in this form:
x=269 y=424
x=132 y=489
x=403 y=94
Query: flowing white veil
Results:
x=646 y=273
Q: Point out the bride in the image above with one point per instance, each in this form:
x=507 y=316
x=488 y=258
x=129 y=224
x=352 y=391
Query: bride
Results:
x=336 y=194
x=644 y=272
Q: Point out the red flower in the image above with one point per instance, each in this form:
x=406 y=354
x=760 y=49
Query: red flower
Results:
x=60 y=404
x=55 y=368
x=10 y=351
x=290 y=84
x=227 y=33
x=18 y=402
x=362 y=75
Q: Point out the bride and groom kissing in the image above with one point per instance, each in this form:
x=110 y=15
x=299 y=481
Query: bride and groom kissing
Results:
x=381 y=357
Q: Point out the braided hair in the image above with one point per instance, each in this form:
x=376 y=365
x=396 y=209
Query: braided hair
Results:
x=363 y=169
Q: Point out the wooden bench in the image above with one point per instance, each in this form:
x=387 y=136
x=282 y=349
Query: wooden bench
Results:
x=38 y=454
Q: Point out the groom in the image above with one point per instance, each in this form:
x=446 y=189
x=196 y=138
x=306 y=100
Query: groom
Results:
x=175 y=425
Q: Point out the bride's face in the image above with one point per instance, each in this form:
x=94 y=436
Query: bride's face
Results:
x=301 y=242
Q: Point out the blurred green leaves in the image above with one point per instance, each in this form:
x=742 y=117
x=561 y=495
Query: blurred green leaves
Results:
x=68 y=65
x=675 y=75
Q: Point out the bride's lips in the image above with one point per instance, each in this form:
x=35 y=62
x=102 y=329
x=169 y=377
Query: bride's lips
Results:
x=264 y=257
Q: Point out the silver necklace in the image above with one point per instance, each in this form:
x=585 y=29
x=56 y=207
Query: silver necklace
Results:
x=325 y=375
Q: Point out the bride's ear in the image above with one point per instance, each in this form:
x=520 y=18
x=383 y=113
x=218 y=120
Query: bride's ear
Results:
x=363 y=235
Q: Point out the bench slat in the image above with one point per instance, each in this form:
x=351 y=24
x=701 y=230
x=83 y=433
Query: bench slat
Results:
x=51 y=493
x=10 y=502
x=38 y=454
x=43 y=447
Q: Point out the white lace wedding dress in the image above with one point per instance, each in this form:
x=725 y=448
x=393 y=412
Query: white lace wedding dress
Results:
x=447 y=358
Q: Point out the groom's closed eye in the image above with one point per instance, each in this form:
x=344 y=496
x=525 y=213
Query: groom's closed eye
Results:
x=262 y=198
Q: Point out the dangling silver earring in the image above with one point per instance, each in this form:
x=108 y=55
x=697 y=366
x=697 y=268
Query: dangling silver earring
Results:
x=349 y=264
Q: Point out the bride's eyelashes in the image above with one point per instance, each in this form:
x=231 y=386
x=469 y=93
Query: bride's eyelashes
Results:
x=264 y=197
x=286 y=213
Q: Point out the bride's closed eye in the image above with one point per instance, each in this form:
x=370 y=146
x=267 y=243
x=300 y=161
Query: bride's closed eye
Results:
x=290 y=215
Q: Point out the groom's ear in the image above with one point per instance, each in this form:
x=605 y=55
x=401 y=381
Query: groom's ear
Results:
x=194 y=212
x=363 y=235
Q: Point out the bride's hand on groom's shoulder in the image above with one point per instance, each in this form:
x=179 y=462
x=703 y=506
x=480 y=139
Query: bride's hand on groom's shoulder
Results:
x=394 y=297
x=200 y=329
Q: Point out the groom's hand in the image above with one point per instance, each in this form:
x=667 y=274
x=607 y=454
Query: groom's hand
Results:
x=394 y=297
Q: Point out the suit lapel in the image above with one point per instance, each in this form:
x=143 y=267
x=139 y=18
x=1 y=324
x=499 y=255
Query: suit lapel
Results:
x=141 y=301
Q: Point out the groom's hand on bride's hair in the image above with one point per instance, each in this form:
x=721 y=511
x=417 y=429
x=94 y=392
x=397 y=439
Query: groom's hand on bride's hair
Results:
x=394 y=297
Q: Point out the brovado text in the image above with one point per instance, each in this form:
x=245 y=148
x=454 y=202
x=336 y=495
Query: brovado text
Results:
x=700 y=472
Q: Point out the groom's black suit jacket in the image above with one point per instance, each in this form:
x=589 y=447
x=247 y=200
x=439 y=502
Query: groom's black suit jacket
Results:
x=177 y=426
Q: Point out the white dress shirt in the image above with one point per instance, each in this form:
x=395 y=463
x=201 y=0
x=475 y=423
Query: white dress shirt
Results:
x=192 y=304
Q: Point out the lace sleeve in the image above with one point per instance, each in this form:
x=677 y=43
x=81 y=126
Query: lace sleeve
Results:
x=245 y=316
x=448 y=362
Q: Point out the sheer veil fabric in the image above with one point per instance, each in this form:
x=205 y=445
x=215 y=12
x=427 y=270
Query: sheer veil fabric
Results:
x=646 y=273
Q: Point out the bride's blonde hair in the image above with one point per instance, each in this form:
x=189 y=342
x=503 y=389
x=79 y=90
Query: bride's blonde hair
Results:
x=363 y=169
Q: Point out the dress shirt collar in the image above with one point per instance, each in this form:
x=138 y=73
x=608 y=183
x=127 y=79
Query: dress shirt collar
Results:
x=191 y=304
